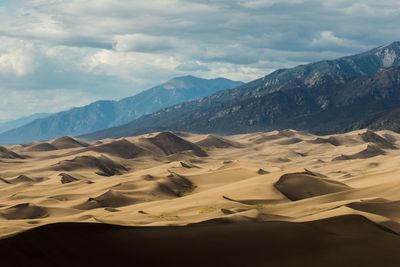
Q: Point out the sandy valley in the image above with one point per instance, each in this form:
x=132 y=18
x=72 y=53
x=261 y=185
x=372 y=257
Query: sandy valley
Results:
x=261 y=187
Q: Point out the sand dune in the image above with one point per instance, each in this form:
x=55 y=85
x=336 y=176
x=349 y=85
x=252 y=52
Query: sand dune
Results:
x=296 y=186
x=66 y=178
x=176 y=185
x=121 y=148
x=111 y=198
x=334 y=242
x=331 y=140
x=22 y=179
x=378 y=140
x=213 y=141
x=6 y=153
x=4 y=181
x=370 y=152
x=24 y=211
x=68 y=142
x=290 y=141
x=102 y=164
x=389 y=209
x=171 y=144
x=40 y=147
x=290 y=185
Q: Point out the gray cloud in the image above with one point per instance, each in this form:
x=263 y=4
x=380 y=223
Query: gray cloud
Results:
x=101 y=49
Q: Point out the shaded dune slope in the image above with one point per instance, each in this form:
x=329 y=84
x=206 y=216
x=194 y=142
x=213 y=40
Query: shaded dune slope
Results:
x=120 y=148
x=170 y=143
x=40 y=147
x=389 y=209
x=176 y=185
x=24 y=211
x=23 y=179
x=330 y=140
x=67 y=142
x=279 y=135
x=102 y=164
x=354 y=240
x=67 y=178
x=213 y=141
x=111 y=198
x=297 y=186
x=381 y=142
x=6 y=153
x=371 y=151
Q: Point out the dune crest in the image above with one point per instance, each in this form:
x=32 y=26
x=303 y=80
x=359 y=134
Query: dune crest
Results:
x=111 y=198
x=163 y=179
x=66 y=178
x=67 y=142
x=170 y=143
x=121 y=148
x=302 y=185
x=213 y=141
x=24 y=211
x=6 y=153
x=103 y=165
x=40 y=147
x=370 y=152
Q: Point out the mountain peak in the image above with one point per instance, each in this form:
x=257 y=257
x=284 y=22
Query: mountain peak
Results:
x=184 y=79
x=104 y=114
x=395 y=45
x=189 y=81
x=187 y=77
x=390 y=54
x=182 y=82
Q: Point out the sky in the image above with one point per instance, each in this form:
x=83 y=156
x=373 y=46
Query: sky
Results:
x=58 y=54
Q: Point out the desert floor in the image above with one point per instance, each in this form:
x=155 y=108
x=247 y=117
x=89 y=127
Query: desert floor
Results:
x=282 y=198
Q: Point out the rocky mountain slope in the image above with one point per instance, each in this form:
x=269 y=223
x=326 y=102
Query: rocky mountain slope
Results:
x=105 y=114
x=11 y=124
x=324 y=97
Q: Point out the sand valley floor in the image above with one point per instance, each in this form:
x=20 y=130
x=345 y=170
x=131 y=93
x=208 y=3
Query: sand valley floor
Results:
x=324 y=195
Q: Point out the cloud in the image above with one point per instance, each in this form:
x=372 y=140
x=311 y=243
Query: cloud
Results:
x=108 y=49
x=43 y=101
x=268 y=3
x=193 y=66
x=142 y=43
x=327 y=40
x=17 y=57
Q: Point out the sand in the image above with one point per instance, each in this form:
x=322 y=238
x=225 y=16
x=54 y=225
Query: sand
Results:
x=322 y=199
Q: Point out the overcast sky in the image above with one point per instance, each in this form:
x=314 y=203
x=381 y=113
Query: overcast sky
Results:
x=56 y=54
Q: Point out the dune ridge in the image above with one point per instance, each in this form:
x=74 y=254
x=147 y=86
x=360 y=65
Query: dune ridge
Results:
x=349 y=236
x=282 y=180
x=6 y=153
x=103 y=165
x=66 y=142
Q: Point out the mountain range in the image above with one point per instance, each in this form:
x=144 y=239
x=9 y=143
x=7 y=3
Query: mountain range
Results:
x=11 y=124
x=105 y=114
x=330 y=96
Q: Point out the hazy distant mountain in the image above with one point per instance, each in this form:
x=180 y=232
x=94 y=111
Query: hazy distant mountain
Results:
x=324 y=97
x=104 y=114
x=8 y=125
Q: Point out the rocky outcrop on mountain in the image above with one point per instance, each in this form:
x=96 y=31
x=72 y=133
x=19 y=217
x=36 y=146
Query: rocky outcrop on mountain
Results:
x=332 y=96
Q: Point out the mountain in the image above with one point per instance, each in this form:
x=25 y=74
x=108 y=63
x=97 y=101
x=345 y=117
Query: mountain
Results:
x=329 y=96
x=104 y=114
x=8 y=125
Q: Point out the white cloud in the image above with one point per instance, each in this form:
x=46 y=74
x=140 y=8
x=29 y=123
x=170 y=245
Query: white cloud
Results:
x=328 y=40
x=143 y=43
x=32 y=101
x=102 y=49
x=268 y=3
x=17 y=57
